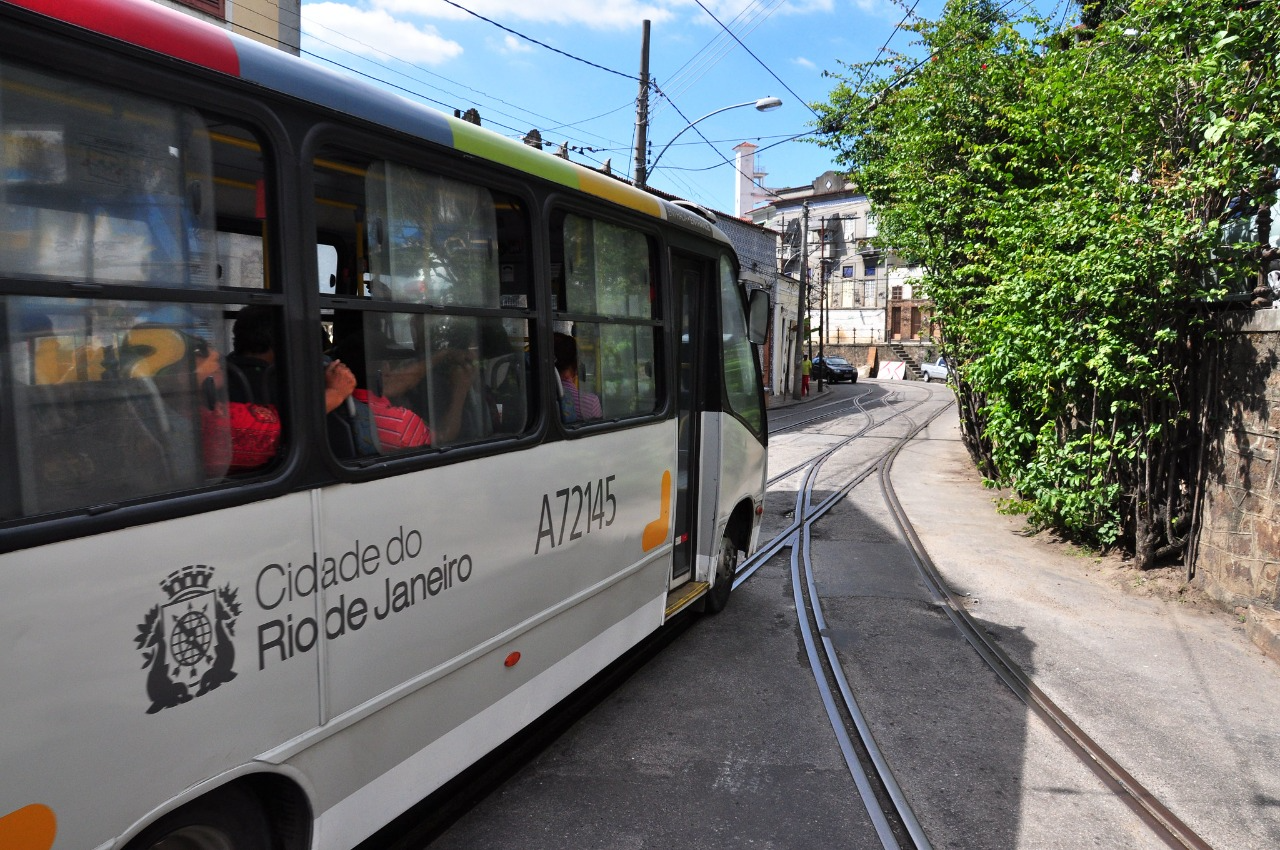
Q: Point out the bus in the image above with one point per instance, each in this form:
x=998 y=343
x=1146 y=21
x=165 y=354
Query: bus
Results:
x=340 y=438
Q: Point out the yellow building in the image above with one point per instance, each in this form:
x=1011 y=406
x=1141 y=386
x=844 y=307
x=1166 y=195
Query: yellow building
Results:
x=273 y=22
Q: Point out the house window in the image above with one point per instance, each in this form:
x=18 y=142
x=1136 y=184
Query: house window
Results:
x=869 y=266
x=847 y=271
x=869 y=292
x=895 y=294
x=217 y=8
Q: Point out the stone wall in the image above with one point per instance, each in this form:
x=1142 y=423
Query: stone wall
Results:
x=857 y=354
x=1237 y=552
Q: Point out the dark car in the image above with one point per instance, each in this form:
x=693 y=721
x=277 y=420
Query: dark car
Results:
x=834 y=369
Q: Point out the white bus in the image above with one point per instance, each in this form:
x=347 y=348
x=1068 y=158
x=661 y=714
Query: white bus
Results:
x=242 y=606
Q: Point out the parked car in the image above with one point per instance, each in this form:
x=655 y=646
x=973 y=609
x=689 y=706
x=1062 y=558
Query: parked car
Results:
x=834 y=370
x=937 y=370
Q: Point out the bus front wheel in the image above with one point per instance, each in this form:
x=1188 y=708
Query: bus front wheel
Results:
x=227 y=819
x=726 y=569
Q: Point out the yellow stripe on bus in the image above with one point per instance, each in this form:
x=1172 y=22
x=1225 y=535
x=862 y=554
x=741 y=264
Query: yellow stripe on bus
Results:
x=29 y=828
x=620 y=193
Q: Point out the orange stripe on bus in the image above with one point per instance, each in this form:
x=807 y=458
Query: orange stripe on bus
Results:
x=655 y=533
x=29 y=828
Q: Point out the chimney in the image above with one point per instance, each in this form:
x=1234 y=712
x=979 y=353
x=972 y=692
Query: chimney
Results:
x=747 y=194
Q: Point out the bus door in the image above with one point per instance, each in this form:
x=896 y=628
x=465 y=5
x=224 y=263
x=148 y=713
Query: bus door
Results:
x=692 y=275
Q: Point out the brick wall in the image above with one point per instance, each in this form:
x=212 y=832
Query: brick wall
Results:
x=1237 y=555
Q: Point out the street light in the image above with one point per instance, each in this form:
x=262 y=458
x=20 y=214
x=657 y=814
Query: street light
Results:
x=764 y=104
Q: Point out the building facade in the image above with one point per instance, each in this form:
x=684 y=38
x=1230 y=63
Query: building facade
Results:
x=858 y=293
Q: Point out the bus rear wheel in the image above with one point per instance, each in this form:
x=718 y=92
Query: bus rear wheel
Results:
x=726 y=568
x=227 y=819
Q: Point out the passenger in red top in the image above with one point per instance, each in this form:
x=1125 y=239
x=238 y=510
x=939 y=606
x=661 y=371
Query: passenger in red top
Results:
x=397 y=427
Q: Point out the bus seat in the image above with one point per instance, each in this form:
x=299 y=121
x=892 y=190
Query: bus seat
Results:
x=95 y=442
x=250 y=380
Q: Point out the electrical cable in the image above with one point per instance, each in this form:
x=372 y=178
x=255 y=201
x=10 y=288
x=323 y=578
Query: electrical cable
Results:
x=680 y=82
x=755 y=57
x=539 y=43
x=536 y=117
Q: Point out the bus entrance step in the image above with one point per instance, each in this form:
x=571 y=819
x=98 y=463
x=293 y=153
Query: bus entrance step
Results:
x=685 y=595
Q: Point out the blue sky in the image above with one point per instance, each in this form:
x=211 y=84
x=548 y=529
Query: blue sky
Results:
x=451 y=59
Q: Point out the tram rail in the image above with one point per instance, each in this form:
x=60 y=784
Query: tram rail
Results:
x=891 y=814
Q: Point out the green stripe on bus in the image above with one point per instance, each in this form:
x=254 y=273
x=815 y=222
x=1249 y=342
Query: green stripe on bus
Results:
x=469 y=138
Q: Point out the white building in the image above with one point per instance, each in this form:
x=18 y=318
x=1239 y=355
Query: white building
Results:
x=858 y=294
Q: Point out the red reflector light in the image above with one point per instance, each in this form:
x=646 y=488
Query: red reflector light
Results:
x=684 y=538
x=512 y=660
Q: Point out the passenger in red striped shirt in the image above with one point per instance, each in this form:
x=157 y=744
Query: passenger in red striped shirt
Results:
x=398 y=427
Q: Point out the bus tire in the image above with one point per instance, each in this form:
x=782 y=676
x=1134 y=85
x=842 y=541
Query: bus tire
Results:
x=726 y=569
x=227 y=819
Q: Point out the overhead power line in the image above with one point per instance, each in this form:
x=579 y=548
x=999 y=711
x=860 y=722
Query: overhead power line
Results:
x=547 y=124
x=539 y=43
x=755 y=57
x=698 y=65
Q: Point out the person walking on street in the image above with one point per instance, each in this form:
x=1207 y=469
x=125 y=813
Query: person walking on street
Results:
x=806 y=366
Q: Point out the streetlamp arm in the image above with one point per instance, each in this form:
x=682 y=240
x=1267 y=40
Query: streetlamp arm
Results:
x=764 y=104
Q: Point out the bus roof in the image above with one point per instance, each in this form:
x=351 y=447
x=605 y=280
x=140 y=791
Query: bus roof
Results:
x=167 y=31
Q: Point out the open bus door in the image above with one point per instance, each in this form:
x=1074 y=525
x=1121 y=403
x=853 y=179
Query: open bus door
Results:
x=691 y=275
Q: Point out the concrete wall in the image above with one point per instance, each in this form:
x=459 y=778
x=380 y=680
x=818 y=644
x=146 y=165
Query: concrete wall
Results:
x=1237 y=553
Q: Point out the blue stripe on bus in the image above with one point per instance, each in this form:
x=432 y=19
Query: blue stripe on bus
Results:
x=315 y=83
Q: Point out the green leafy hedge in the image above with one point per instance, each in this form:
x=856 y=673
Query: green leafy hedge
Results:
x=1066 y=192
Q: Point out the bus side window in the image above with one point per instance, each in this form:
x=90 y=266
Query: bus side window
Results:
x=444 y=267
x=110 y=398
x=604 y=275
x=741 y=367
x=105 y=408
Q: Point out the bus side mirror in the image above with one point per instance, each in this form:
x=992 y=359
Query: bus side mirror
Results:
x=758 y=316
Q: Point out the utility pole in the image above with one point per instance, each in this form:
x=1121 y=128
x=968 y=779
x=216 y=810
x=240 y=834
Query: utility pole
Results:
x=822 y=303
x=642 y=109
x=803 y=307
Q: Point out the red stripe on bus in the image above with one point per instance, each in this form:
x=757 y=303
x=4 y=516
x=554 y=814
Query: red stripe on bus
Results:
x=147 y=24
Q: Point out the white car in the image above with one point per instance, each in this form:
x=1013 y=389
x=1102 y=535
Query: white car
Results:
x=937 y=370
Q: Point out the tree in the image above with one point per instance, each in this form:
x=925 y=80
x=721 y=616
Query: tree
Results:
x=1066 y=198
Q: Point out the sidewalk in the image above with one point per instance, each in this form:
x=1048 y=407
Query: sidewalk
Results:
x=1167 y=682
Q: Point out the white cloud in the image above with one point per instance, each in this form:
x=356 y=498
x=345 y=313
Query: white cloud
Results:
x=878 y=8
x=511 y=44
x=375 y=33
x=805 y=63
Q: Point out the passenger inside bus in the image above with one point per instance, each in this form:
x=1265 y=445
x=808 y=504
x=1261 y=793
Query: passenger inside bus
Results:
x=576 y=405
x=388 y=382
x=236 y=436
x=251 y=365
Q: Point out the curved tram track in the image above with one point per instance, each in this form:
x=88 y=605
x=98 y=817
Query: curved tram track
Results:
x=894 y=821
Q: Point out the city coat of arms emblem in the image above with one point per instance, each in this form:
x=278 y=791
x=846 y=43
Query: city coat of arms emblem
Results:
x=186 y=642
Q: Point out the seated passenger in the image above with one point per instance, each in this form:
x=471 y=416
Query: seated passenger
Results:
x=396 y=427
x=575 y=405
x=251 y=363
x=236 y=436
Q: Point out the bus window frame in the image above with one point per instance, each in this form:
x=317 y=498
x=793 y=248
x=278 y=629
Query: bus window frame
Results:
x=559 y=204
x=327 y=134
x=258 y=114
